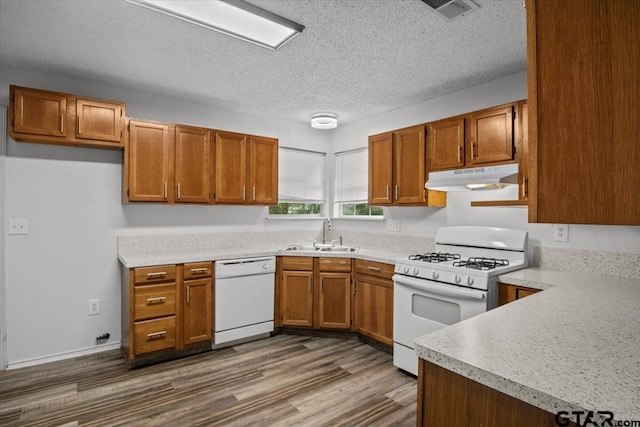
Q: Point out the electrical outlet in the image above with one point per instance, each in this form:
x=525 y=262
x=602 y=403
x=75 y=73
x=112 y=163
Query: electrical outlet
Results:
x=94 y=307
x=560 y=232
x=19 y=226
x=393 y=225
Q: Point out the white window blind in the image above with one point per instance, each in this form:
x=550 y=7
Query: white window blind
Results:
x=301 y=176
x=352 y=176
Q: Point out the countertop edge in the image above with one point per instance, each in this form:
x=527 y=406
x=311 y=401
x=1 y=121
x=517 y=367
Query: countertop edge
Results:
x=502 y=384
x=146 y=259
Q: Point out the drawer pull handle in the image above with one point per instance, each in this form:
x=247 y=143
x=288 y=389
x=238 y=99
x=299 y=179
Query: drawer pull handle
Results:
x=156 y=334
x=199 y=270
x=373 y=268
x=157 y=274
x=156 y=299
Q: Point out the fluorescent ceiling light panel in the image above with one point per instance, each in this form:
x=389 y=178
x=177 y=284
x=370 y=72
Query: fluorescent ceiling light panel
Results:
x=232 y=17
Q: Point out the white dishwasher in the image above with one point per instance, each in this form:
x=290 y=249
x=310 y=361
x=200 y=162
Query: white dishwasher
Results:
x=244 y=300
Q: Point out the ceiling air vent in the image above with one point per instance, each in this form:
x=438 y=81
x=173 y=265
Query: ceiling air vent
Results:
x=451 y=9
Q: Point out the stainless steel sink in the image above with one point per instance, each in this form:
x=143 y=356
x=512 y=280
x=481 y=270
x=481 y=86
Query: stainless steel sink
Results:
x=339 y=249
x=306 y=248
x=311 y=248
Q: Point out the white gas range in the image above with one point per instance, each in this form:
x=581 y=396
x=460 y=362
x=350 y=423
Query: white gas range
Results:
x=457 y=281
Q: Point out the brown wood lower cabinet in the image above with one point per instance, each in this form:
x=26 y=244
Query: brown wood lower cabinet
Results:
x=166 y=311
x=449 y=399
x=315 y=292
x=373 y=301
x=297 y=298
x=509 y=293
x=334 y=301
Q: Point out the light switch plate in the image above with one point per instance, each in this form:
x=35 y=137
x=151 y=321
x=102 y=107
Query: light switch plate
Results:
x=560 y=232
x=19 y=226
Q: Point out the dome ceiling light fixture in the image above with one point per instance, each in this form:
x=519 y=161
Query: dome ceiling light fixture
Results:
x=324 y=121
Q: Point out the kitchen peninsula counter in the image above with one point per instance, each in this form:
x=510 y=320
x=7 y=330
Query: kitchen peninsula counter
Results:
x=573 y=347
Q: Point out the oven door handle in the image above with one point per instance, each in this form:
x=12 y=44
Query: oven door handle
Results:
x=446 y=290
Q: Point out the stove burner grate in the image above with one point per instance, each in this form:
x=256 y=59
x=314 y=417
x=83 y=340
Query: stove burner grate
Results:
x=435 y=257
x=481 y=263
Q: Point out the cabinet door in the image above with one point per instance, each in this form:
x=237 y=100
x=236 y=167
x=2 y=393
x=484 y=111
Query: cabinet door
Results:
x=381 y=169
x=373 y=309
x=39 y=112
x=296 y=306
x=334 y=301
x=263 y=171
x=409 y=169
x=231 y=168
x=148 y=162
x=584 y=132
x=198 y=311
x=98 y=120
x=192 y=164
x=446 y=144
x=490 y=136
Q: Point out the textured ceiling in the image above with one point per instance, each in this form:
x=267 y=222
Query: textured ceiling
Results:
x=355 y=58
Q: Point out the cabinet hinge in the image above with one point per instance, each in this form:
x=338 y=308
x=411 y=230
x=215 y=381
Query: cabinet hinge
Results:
x=13 y=123
x=127 y=192
x=514 y=150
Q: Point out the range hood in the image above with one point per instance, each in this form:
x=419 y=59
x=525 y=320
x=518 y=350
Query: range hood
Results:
x=484 y=178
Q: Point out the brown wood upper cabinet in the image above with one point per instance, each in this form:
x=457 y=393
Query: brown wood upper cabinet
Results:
x=62 y=119
x=583 y=132
x=246 y=169
x=193 y=164
x=168 y=163
x=397 y=169
x=479 y=138
x=148 y=162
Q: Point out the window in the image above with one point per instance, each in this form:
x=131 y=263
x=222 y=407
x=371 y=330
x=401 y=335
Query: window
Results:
x=301 y=182
x=352 y=184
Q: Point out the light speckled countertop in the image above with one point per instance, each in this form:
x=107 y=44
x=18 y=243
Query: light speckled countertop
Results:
x=144 y=259
x=575 y=346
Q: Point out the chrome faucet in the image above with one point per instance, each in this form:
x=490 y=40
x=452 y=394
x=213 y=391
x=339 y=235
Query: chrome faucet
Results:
x=324 y=230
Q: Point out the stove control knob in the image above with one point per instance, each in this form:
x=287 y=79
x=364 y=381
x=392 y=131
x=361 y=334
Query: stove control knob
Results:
x=405 y=269
x=416 y=270
x=436 y=275
x=458 y=278
x=469 y=281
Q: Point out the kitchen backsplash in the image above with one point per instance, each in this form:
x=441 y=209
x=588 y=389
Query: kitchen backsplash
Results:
x=173 y=242
x=619 y=264
x=389 y=242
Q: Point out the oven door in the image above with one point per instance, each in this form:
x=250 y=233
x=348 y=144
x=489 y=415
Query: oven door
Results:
x=422 y=306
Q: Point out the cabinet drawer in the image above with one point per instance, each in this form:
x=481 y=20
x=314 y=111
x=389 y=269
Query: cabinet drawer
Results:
x=157 y=273
x=197 y=270
x=372 y=268
x=335 y=264
x=154 y=301
x=154 y=335
x=297 y=263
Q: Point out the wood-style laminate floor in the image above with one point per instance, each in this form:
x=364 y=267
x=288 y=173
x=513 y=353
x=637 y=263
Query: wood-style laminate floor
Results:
x=283 y=380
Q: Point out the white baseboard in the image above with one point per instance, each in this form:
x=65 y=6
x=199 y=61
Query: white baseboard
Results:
x=62 y=356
